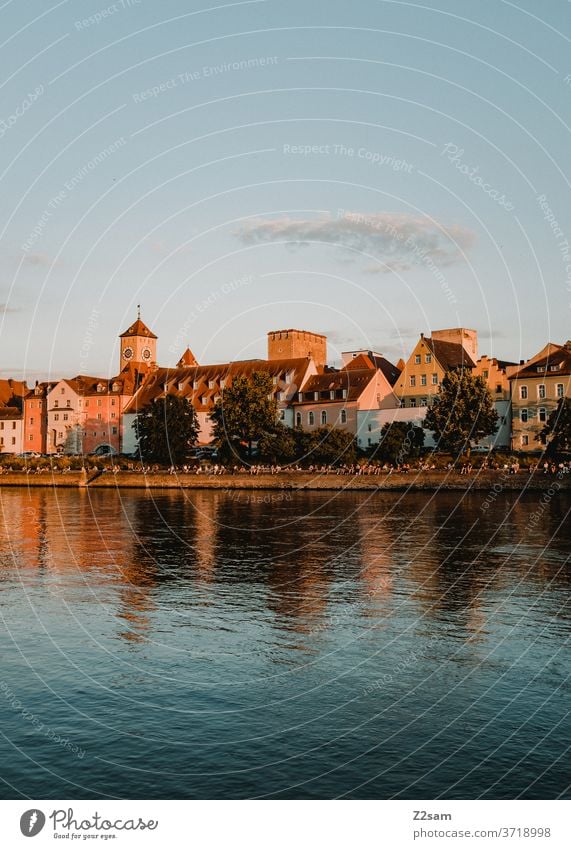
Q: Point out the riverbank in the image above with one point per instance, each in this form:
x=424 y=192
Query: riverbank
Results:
x=295 y=481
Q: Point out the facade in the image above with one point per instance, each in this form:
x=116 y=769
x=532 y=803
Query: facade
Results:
x=203 y=387
x=338 y=398
x=496 y=374
x=297 y=344
x=138 y=346
x=36 y=419
x=11 y=430
x=419 y=381
x=536 y=387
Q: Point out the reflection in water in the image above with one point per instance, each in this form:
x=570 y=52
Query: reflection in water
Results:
x=358 y=642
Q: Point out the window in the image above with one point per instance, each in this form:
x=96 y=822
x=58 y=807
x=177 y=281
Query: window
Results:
x=423 y=380
x=332 y=395
x=412 y=380
x=542 y=414
x=195 y=385
x=370 y=427
x=32 y=420
x=310 y=419
x=541 y=390
x=68 y=403
x=112 y=402
x=99 y=402
x=13 y=425
x=65 y=417
x=344 y=393
x=62 y=390
x=413 y=402
x=555 y=368
x=559 y=390
x=434 y=378
x=523 y=415
x=99 y=416
x=112 y=415
x=523 y=392
x=323 y=417
x=13 y=440
x=369 y=441
x=417 y=359
x=282 y=415
x=60 y=435
x=56 y=403
x=423 y=402
x=343 y=416
x=298 y=419
x=525 y=439
x=428 y=358
x=31 y=437
x=498 y=388
x=485 y=374
x=211 y=384
x=56 y=417
x=114 y=430
x=402 y=403
x=94 y=433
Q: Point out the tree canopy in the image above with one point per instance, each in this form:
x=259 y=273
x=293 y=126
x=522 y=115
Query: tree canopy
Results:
x=246 y=412
x=166 y=430
x=463 y=412
x=331 y=446
x=556 y=433
x=400 y=441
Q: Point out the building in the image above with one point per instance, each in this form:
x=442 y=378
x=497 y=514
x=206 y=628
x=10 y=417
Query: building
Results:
x=346 y=398
x=12 y=393
x=419 y=381
x=536 y=387
x=495 y=374
x=36 y=418
x=297 y=344
x=203 y=386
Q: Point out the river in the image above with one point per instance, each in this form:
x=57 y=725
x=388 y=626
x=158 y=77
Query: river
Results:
x=207 y=644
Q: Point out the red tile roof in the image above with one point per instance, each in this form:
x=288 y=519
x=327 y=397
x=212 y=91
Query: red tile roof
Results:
x=555 y=364
x=138 y=328
x=450 y=355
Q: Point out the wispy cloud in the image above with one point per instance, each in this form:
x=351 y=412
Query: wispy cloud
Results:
x=4 y=309
x=398 y=241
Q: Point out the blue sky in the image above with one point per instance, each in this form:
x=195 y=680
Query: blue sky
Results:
x=368 y=170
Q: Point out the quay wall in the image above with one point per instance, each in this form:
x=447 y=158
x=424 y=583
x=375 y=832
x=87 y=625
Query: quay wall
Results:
x=428 y=481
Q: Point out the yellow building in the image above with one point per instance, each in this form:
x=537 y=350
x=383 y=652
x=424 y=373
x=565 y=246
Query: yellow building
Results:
x=536 y=388
x=431 y=358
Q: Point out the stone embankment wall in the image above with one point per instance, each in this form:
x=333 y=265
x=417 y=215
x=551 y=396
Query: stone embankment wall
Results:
x=429 y=481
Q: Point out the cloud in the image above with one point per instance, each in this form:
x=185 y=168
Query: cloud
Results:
x=5 y=309
x=41 y=260
x=398 y=241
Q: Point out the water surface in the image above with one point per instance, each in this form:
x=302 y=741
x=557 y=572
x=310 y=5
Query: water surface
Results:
x=319 y=645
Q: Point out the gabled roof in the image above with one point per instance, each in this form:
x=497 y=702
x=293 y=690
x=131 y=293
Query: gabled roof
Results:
x=182 y=381
x=556 y=363
x=138 y=328
x=450 y=355
x=187 y=359
x=353 y=380
x=10 y=413
x=12 y=390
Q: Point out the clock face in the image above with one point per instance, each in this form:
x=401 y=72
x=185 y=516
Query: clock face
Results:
x=146 y=353
x=128 y=353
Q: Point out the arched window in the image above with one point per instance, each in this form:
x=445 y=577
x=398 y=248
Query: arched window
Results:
x=324 y=417
x=310 y=418
x=298 y=419
x=343 y=416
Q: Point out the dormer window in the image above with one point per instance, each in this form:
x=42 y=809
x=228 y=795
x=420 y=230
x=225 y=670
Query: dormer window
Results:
x=180 y=385
x=115 y=387
x=222 y=382
x=555 y=367
x=195 y=385
x=211 y=384
x=100 y=387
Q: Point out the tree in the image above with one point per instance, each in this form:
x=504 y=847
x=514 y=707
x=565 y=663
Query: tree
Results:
x=463 y=412
x=400 y=441
x=331 y=445
x=279 y=445
x=166 y=429
x=246 y=412
x=556 y=433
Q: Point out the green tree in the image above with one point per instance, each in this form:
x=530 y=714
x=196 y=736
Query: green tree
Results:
x=331 y=446
x=279 y=445
x=463 y=412
x=556 y=433
x=246 y=412
x=400 y=441
x=166 y=430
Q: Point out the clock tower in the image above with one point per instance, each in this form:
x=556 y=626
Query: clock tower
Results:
x=138 y=345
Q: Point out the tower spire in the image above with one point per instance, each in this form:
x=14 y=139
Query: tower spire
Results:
x=138 y=311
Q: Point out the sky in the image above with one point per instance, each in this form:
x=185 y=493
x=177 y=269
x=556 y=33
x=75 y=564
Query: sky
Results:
x=369 y=170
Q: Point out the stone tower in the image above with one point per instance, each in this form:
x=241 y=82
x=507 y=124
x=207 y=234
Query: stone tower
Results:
x=138 y=345
x=294 y=344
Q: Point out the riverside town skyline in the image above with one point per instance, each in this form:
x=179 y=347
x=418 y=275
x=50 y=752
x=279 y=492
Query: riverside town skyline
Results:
x=87 y=414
